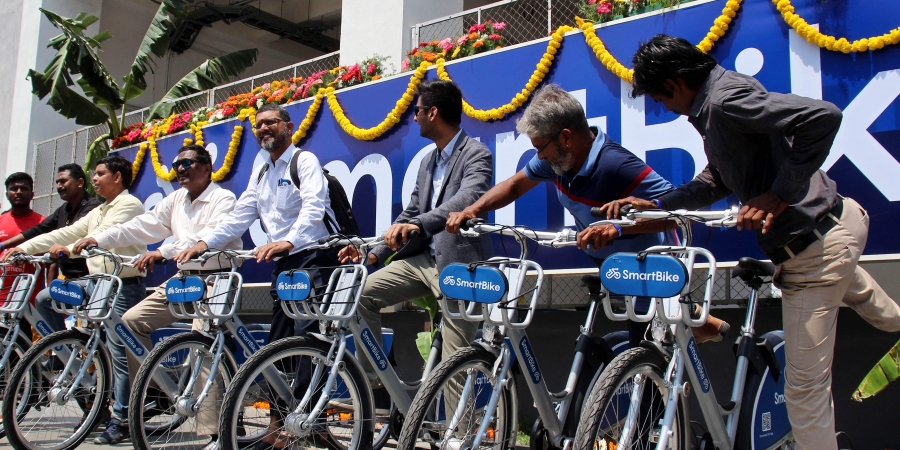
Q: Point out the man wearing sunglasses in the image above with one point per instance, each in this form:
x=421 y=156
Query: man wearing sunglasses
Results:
x=179 y=218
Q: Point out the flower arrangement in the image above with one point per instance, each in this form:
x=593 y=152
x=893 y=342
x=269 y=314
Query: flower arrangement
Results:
x=606 y=10
x=480 y=38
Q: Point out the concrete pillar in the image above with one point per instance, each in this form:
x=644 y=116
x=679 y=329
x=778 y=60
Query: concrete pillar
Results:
x=383 y=27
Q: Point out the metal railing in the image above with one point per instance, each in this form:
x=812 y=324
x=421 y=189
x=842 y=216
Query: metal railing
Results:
x=72 y=147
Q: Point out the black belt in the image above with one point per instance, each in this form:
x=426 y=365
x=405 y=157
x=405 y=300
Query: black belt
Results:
x=824 y=225
x=132 y=280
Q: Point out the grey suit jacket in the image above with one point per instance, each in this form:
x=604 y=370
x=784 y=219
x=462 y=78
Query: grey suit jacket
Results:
x=469 y=175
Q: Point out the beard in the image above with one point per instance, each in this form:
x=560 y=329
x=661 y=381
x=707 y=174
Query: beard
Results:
x=270 y=142
x=562 y=165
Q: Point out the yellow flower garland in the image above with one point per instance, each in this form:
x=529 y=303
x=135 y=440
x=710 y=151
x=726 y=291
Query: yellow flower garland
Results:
x=197 y=130
x=154 y=159
x=537 y=77
x=393 y=117
x=308 y=120
x=830 y=42
x=138 y=160
x=718 y=29
x=233 y=147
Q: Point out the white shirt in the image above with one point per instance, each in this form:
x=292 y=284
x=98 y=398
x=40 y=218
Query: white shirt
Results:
x=437 y=176
x=179 y=217
x=287 y=212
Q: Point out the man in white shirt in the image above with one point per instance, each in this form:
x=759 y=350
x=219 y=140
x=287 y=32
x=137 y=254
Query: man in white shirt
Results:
x=200 y=204
x=111 y=178
x=292 y=216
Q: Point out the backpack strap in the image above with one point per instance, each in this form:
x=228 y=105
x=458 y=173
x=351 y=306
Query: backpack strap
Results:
x=330 y=223
x=295 y=177
x=262 y=172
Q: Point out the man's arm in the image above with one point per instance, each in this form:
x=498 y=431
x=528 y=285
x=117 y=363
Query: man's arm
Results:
x=478 y=171
x=235 y=223
x=63 y=236
x=221 y=206
x=382 y=252
x=312 y=190
x=705 y=189
x=497 y=197
x=147 y=228
x=47 y=225
x=811 y=124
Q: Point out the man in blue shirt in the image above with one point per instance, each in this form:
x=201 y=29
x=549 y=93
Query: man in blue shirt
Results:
x=589 y=170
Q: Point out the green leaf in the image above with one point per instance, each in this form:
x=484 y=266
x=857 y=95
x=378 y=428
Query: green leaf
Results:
x=887 y=370
x=423 y=344
x=76 y=56
x=155 y=42
x=429 y=304
x=210 y=74
x=96 y=151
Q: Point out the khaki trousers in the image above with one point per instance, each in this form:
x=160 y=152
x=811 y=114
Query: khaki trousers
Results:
x=151 y=314
x=814 y=284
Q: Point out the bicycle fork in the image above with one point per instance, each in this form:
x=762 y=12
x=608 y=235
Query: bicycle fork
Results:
x=61 y=395
x=299 y=423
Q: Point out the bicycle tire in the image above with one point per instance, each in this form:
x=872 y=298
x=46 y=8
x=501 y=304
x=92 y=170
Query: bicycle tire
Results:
x=602 y=413
x=250 y=390
x=154 y=422
x=428 y=403
x=21 y=433
x=21 y=345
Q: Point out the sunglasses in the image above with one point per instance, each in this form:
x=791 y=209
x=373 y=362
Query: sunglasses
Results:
x=267 y=123
x=183 y=164
x=421 y=108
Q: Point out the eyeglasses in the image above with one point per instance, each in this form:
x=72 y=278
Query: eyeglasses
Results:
x=544 y=147
x=267 y=123
x=422 y=108
x=183 y=164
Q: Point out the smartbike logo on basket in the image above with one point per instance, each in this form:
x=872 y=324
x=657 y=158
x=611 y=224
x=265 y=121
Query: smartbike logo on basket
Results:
x=482 y=284
x=185 y=290
x=66 y=292
x=650 y=275
x=293 y=285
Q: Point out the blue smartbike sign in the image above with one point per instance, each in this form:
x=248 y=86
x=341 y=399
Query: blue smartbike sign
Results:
x=481 y=284
x=293 y=285
x=379 y=175
x=67 y=292
x=644 y=275
x=185 y=289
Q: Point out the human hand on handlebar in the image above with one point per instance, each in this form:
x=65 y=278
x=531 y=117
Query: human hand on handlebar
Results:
x=81 y=245
x=9 y=253
x=352 y=254
x=597 y=237
x=58 y=251
x=760 y=212
x=613 y=208
x=189 y=254
x=457 y=219
x=147 y=260
x=272 y=250
x=397 y=235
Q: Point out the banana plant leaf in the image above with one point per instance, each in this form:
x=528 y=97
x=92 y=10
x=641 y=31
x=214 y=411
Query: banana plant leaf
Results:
x=423 y=339
x=76 y=55
x=210 y=74
x=156 y=42
x=887 y=370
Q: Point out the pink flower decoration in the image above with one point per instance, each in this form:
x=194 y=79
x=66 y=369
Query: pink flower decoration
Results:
x=604 y=8
x=371 y=69
x=405 y=64
x=473 y=29
x=446 y=44
x=462 y=39
x=495 y=37
x=591 y=2
x=499 y=26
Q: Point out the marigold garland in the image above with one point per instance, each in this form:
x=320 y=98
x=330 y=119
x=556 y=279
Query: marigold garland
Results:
x=233 y=147
x=537 y=77
x=720 y=25
x=308 y=120
x=830 y=42
x=138 y=159
x=217 y=175
x=393 y=117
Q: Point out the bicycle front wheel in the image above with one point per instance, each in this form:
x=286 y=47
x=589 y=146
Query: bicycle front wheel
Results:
x=51 y=411
x=162 y=422
x=253 y=405
x=607 y=420
x=449 y=409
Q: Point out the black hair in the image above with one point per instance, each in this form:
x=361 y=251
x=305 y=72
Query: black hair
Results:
x=283 y=114
x=18 y=177
x=203 y=156
x=445 y=96
x=669 y=58
x=116 y=163
x=75 y=171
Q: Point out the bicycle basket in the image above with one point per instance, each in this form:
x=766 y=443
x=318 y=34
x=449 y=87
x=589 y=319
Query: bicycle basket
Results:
x=338 y=302
x=188 y=299
x=70 y=298
x=20 y=288
x=495 y=286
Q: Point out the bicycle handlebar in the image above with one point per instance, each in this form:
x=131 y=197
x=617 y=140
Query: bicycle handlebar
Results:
x=630 y=216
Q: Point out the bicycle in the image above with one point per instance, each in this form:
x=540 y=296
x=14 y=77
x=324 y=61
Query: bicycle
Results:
x=52 y=396
x=466 y=402
x=197 y=362
x=335 y=403
x=639 y=401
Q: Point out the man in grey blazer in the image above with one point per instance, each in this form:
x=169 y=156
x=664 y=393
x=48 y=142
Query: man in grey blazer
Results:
x=450 y=178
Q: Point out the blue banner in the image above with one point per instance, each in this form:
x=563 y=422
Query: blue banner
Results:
x=379 y=175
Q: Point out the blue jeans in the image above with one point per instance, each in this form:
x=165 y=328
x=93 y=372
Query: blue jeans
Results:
x=131 y=295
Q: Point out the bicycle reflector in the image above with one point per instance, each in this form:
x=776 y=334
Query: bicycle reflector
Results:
x=654 y=275
x=185 y=290
x=67 y=292
x=293 y=285
x=483 y=284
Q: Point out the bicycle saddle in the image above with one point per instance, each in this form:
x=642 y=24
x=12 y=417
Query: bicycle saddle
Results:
x=751 y=267
x=591 y=281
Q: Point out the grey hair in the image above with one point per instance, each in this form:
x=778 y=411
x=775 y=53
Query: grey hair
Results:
x=283 y=114
x=552 y=109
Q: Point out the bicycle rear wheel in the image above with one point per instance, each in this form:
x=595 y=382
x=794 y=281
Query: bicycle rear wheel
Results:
x=253 y=407
x=45 y=418
x=160 y=423
x=459 y=388
x=606 y=410
x=20 y=346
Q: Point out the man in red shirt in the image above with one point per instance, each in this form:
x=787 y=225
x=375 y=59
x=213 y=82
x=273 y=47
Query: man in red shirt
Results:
x=19 y=192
